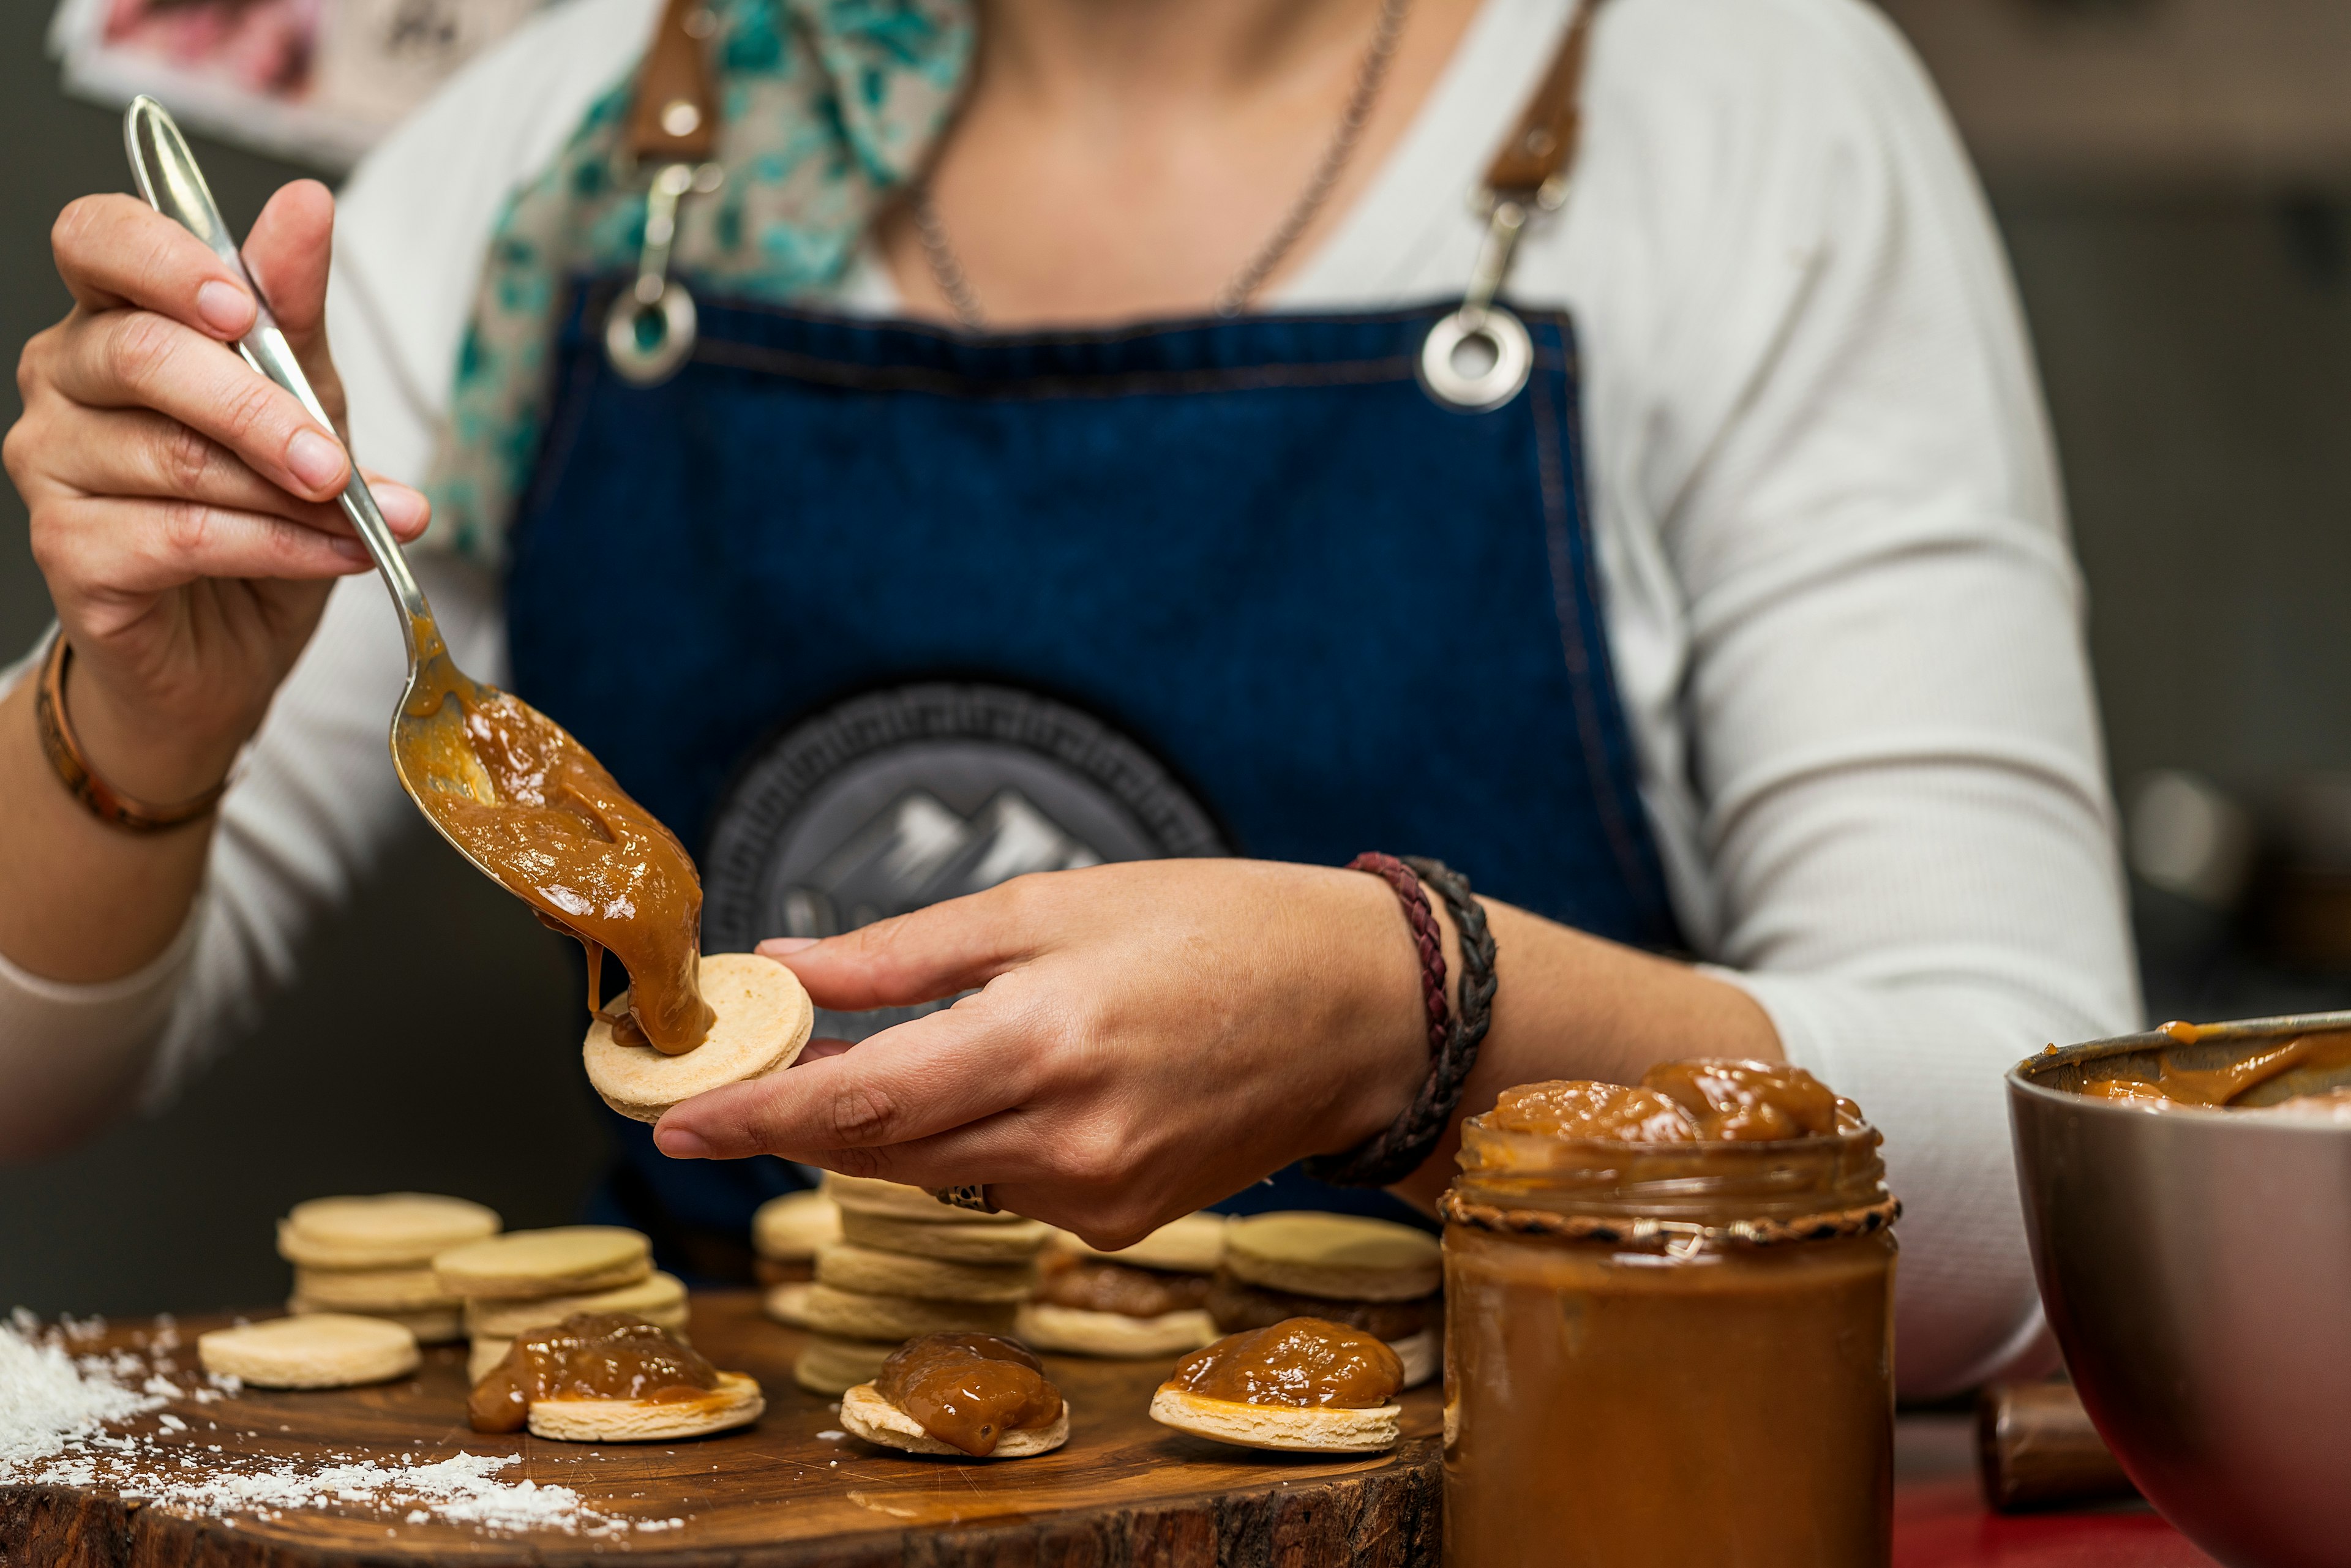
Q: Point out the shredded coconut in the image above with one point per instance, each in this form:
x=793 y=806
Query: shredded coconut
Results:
x=60 y=1416
x=48 y=1400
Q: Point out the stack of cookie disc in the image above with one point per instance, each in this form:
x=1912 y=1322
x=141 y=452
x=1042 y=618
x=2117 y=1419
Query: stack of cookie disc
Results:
x=1385 y=1279
x=906 y=1265
x=526 y=1279
x=787 y=1233
x=1141 y=1302
x=372 y=1257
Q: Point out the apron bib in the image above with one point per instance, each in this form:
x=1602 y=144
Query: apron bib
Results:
x=872 y=614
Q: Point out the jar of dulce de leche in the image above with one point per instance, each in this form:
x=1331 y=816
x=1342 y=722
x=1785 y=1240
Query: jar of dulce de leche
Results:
x=1669 y=1327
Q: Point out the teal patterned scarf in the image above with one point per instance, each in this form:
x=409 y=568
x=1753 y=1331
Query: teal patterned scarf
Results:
x=826 y=107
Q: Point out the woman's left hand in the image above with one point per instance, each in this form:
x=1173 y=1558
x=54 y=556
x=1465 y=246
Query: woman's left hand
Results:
x=1146 y=1038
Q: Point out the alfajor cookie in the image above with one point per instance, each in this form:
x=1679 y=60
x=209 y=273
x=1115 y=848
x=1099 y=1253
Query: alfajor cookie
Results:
x=1307 y=1385
x=977 y=1395
x=1336 y=1257
x=1294 y=1430
x=322 y=1350
x=1147 y=1299
x=831 y=1366
x=763 y=1021
x=659 y=1299
x=570 y=1259
x=388 y=1230
x=735 y=1402
x=869 y=1270
x=865 y=1195
x=989 y=1242
x=442 y=1326
x=787 y=1231
x=850 y=1314
x=875 y=1419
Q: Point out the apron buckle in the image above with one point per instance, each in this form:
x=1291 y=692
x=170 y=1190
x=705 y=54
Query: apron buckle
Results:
x=649 y=329
x=1478 y=358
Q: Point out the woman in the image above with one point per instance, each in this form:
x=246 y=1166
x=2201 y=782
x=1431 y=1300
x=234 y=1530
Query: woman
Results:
x=1060 y=480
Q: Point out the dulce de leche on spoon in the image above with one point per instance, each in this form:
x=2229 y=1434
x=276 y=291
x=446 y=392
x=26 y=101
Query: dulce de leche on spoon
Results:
x=505 y=784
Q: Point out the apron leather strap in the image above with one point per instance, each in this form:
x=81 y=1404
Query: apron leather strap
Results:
x=676 y=116
x=1541 y=148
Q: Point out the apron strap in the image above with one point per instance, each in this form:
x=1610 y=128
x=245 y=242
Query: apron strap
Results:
x=1478 y=358
x=676 y=116
x=1541 y=149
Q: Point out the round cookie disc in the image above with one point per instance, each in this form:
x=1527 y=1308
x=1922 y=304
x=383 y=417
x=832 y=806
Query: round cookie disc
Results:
x=850 y=1314
x=988 y=1243
x=483 y=1355
x=1195 y=1244
x=569 y=1259
x=832 y=1367
x=764 y=1018
x=1113 y=1336
x=875 y=1419
x=1337 y=1256
x=372 y=1291
x=320 y=1350
x=659 y=1299
x=1289 y=1427
x=735 y=1402
x=795 y=1225
x=389 y=1230
x=870 y=1272
x=445 y=1325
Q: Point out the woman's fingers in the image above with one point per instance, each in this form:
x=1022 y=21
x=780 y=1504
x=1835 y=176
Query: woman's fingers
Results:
x=115 y=546
x=924 y=957
x=114 y=250
x=920 y=1078
x=136 y=359
x=136 y=452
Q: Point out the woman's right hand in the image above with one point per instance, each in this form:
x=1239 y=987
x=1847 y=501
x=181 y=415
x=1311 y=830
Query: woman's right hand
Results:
x=182 y=506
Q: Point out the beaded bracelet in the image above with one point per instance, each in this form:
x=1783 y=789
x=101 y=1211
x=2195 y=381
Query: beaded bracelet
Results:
x=1395 y=1153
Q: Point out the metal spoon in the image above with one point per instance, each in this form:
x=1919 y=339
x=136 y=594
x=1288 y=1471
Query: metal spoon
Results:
x=429 y=749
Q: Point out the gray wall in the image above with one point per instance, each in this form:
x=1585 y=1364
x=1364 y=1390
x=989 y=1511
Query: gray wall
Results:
x=2198 y=356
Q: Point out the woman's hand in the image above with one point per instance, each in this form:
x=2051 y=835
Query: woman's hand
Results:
x=1146 y=1038
x=182 y=506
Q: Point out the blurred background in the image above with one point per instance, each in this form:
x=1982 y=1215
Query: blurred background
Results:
x=2172 y=179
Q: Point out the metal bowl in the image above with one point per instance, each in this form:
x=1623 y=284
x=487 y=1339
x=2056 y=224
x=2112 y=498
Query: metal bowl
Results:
x=2195 y=1266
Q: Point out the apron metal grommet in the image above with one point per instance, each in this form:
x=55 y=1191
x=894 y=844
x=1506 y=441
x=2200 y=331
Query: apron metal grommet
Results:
x=648 y=340
x=1476 y=359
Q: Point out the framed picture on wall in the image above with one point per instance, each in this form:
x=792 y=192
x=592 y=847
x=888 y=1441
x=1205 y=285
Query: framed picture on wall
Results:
x=318 y=82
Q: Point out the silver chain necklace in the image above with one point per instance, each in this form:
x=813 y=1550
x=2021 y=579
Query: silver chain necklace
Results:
x=946 y=268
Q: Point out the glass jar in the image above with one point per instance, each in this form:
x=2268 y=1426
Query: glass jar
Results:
x=1669 y=1354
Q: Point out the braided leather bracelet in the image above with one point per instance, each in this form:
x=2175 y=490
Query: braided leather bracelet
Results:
x=1391 y=1155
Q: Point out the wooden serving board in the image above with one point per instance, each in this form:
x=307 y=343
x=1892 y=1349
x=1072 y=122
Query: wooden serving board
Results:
x=1123 y=1489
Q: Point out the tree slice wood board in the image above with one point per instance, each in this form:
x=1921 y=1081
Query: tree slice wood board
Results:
x=1123 y=1491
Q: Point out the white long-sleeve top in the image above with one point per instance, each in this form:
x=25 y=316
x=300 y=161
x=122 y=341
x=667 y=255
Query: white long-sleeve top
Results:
x=1830 y=542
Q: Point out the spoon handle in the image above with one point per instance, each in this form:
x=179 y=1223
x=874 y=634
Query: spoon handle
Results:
x=168 y=177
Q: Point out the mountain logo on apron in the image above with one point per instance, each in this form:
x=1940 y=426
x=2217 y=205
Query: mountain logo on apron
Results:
x=900 y=799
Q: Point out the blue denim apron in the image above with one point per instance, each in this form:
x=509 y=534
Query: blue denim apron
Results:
x=1344 y=616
